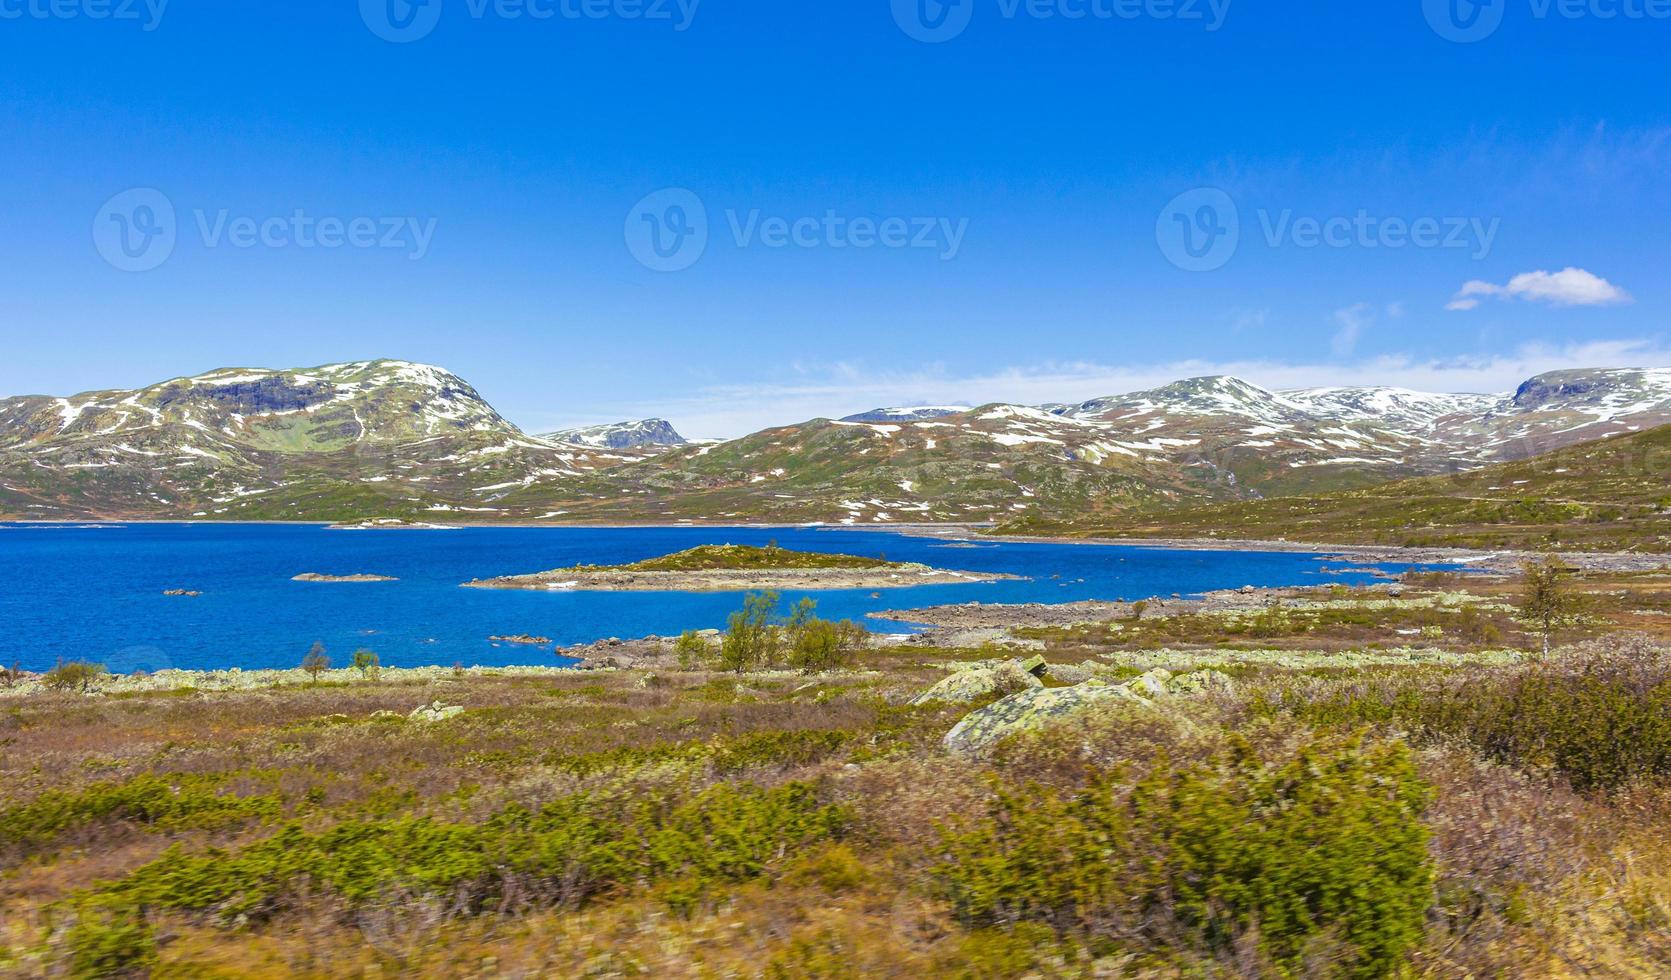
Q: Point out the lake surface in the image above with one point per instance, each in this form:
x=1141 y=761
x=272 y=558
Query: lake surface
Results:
x=96 y=592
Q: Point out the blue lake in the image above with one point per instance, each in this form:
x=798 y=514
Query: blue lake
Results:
x=96 y=592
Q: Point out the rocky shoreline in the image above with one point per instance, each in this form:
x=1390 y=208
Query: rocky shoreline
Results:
x=735 y=580
x=953 y=625
x=1503 y=562
x=235 y=679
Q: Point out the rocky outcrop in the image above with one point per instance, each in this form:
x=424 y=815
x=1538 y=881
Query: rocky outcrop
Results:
x=1029 y=709
x=436 y=711
x=978 y=682
x=1034 y=708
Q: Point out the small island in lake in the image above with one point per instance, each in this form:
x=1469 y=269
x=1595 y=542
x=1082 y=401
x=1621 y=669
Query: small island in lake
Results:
x=316 y=577
x=729 y=568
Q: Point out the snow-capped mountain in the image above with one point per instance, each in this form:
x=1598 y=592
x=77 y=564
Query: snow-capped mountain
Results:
x=363 y=439
x=916 y=413
x=391 y=438
x=622 y=435
x=1401 y=408
x=382 y=402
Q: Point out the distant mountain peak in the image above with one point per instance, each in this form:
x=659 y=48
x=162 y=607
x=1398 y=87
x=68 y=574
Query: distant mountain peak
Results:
x=622 y=435
x=912 y=413
x=1609 y=391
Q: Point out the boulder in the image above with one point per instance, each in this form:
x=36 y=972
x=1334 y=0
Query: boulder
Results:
x=435 y=712
x=1200 y=682
x=1035 y=665
x=1029 y=709
x=1153 y=684
x=978 y=682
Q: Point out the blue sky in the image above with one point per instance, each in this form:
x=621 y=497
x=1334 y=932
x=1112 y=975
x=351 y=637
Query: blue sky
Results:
x=1030 y=170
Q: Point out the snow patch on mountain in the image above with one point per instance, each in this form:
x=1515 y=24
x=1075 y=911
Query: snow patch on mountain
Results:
x=915 y=413
x=622 y=435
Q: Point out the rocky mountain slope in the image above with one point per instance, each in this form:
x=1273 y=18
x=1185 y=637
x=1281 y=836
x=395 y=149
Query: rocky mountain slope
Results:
x=1198 y=440
x=380 y=438
x=1611 y=494
x=622 y=435
x=394 y=439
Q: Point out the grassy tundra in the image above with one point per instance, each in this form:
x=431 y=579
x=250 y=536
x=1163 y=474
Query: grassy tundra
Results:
x=1391 y=787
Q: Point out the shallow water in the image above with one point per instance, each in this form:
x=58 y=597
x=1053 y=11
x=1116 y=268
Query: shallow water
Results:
x=96 y=592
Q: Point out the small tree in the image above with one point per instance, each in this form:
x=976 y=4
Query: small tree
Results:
x=821 y=645
x=1546 y=604
x=693 y=649
x=751 y=640
x=77 y=675
x=366 y=662
x=316 y=662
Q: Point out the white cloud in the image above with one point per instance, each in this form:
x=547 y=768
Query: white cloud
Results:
x=1569 y=287
x=842 y=389
x=1352 y=321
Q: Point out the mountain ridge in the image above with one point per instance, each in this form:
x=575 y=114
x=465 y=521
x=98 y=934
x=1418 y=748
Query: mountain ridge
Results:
x=391 y=438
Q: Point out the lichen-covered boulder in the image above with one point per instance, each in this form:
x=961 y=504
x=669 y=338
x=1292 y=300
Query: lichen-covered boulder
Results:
x=1153 y=684
x=435 y=712
x=978 y=682
x=1029 y=709
x=1035 y=665
x=1200 y=682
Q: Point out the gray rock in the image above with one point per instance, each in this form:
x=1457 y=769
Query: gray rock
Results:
x=435 y=712
x=1200 y=682
x=1029 y=709
x=970 y=685
x=1153 y=684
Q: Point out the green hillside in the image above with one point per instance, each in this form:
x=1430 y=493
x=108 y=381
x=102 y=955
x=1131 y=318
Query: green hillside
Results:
x=1609 y=495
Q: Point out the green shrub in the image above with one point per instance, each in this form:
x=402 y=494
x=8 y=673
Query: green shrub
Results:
x=565 y=853
x=78 y=676
x=1324 y=845
x=693 y=650
x=820 y=645
x=104 y=944
x=367 y=663
x=1601 y=718
x=178 y=803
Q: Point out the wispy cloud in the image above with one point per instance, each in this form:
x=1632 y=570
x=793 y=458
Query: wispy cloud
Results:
x=832 y=391
x=1569 y=287
x=1352 y=320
